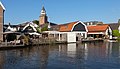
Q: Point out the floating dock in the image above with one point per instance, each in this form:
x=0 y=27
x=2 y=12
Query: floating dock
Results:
x=93 y=40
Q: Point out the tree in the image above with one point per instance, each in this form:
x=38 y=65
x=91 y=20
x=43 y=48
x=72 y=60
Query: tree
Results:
x=116 y=34
x=36 y=22
x=45 y=28
x=38 y=30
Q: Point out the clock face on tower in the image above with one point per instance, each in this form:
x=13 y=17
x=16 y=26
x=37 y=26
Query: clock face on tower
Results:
x=42 y=12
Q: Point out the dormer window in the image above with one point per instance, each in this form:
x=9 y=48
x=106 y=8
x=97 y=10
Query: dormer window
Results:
x=66 y=26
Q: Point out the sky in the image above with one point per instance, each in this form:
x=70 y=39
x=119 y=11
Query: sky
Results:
x=62 y=11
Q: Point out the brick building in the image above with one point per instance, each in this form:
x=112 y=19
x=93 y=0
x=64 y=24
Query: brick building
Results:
x=2 y=9
x=43 y=17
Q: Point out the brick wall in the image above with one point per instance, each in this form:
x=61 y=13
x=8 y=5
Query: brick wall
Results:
x=1 y=23
x=43 y=19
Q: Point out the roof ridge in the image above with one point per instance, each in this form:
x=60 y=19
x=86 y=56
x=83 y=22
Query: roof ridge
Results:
x=99 y=25
x=69 y=23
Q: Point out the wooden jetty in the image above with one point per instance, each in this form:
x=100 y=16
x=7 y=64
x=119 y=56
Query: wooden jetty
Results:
x=48 y=43
x=7 y=45
x=93 y=40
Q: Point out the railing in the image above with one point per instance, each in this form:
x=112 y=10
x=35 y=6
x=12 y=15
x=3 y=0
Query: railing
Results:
x=45 y=41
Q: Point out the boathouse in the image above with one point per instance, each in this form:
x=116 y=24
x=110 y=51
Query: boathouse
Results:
x=100 y=31
x=70 y=32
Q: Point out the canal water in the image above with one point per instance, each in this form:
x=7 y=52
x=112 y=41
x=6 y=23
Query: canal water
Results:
x=96 y=55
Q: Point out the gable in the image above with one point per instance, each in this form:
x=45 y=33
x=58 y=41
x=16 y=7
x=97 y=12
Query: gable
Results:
x=29 y=29
x=30 y=26
x=79 y=27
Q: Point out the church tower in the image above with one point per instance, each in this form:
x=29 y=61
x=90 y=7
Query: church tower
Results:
x=2 y=9
x=43 y=17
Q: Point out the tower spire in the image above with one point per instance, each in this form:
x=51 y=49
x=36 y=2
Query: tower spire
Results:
x=43 y=11
x=43 y=17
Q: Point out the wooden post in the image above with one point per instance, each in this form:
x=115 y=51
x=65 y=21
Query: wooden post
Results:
x=59 y=36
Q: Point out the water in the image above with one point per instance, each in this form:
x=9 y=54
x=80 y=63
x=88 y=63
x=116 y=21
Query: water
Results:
x=70 y=56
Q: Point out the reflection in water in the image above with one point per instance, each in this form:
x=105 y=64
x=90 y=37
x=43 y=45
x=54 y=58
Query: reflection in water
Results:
x=71 y=50
x=2 y=60
x=44 y=53
x=71 y=56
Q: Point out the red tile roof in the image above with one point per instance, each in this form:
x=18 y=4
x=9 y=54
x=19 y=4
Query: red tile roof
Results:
x=97 y=28
x=67 y=27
